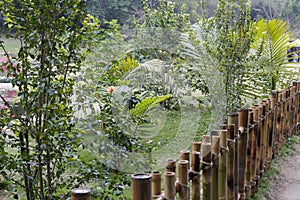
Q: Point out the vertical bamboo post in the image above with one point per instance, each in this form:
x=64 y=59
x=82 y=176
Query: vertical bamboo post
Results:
x=81 y=194
x=169 y=190
x=171 y=165
x=215 y=146
x=230 y=162
x=260 y=143
x=249 y=155
x=254 y=171
x=273 y=107
x=206 y=166
x=277 y=138
x=185 y=155
x=194 y=175
x=233 y=119
x=264 y=134
x=196 y=146
x=242 y=148
x=184 y=190
x=141 y=187
x=156 y=183
x=223 y=165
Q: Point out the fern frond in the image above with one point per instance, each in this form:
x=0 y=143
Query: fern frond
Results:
x=147 y=104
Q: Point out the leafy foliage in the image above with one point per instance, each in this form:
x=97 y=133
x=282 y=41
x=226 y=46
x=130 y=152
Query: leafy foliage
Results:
x=41 y=140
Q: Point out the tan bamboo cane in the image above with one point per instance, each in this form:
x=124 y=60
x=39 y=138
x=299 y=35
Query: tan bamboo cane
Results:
x=230 y=161
x=156 y=184
x=185 y=155
x=171 y=165
x=196 y=146
x=169 y=190
x=223 y=165
x=141 y=187
x=267 y=134
x=194 y=175
x=215 y=143
x=278 y=124
x=206 y=167
x=81 y=194
x=293 y=109
x=183 y=180
x=260 y=143
x=273 y=108
x=264 y=134
x=250 y=144
x=254 y=162
x=233 y=119
x=242 y=148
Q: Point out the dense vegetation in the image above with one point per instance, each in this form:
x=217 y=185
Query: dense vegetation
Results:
x=89 y=84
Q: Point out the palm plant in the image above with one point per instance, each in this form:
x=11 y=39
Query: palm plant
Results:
x=270 y=45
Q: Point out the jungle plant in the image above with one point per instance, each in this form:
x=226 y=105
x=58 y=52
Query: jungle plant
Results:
x=41 y=139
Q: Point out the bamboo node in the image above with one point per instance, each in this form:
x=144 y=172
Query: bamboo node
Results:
x=224 y=149
x=181 y=185
x=193 y=174
x=230 y=140
x=206 y=165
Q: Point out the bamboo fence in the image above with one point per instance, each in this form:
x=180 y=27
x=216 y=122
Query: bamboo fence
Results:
x=231 y=162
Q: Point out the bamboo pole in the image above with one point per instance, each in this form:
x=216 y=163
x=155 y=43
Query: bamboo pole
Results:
x=206 y=166
x=156 y=183
x=194 y=175
x=264 y=134
x=171 y=165
x=242 y=148
x=249 y=155
x=273 y=107
x=183 y=180
x=185 y=155
x=141 y=187
x=233 y=119
x=260 y=143
x=169 y=190
x=230 y=162
x=223 y=165
x=254 y=155
x=81 y=194
x=215 y=142
x=196 y=146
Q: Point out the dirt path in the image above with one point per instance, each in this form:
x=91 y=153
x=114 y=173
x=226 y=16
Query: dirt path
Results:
x=287 y=186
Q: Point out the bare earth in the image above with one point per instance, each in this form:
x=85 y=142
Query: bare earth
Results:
x=287 y=185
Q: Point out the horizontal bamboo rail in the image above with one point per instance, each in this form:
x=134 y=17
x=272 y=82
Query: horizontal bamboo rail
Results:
x=231 y=162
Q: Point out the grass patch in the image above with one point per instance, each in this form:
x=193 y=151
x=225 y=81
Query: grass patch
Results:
x=11 y=45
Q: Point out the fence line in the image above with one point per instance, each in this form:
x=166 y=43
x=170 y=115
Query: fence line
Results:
x=230 y=162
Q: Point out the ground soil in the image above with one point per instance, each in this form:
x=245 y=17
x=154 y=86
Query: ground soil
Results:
x=286 y=185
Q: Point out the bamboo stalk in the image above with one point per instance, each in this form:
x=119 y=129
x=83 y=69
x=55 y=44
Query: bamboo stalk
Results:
x=171 y=165
x=222 y=166
x=254 y=163
x=206 y=166
x=81 y=194
x=230 y=162
x=250 y=143
x=273 y=107
x=233 y=119
x=215 y=141
x=242 y=148
x=141 y=187
x=169 y=191
x=185 y=155
x=184 y=191
x=195 y=176
x=260 y=144
x=196 y=146
x=156 y=183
